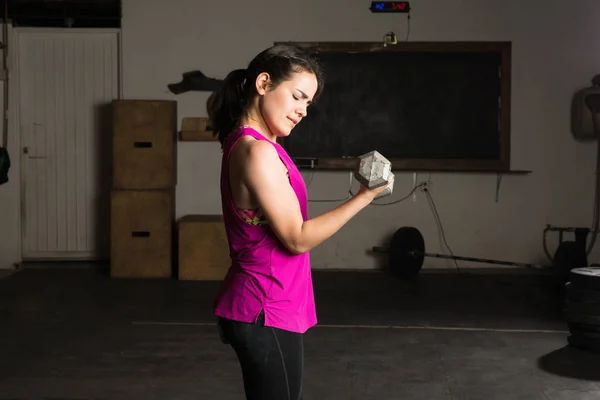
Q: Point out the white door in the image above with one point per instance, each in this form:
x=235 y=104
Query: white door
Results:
x=66 y=81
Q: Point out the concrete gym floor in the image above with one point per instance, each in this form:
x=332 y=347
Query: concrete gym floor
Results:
x=68 y=331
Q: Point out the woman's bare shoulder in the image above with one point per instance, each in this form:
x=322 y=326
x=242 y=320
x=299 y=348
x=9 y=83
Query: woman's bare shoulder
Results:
x=251 y=150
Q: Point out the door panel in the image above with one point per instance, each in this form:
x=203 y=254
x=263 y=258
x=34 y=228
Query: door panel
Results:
x=66 y=83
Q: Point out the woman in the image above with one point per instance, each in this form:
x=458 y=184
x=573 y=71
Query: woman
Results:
x=266 y=303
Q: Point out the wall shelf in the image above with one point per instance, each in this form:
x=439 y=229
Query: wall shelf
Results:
x=196 y=130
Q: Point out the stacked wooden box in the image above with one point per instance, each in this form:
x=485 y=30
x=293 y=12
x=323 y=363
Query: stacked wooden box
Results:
x=203 y=248
x=143 y=191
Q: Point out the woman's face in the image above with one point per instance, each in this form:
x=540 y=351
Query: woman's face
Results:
x=283 y=107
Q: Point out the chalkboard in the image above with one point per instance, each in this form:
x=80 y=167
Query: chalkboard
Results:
x=409 y=105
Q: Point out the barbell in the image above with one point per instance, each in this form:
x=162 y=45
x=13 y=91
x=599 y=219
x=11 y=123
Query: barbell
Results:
x=406 y=254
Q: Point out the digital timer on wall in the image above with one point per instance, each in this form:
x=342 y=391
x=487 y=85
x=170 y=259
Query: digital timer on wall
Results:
x=390 y=6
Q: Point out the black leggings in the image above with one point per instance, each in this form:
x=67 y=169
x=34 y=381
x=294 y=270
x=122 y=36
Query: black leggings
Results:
x=272 y=359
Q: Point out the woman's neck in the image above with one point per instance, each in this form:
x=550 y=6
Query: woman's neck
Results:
x=255 y=121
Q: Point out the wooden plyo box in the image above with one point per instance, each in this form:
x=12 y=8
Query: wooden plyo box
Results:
x=203 y=248
x=141 y=233
x=144 y=144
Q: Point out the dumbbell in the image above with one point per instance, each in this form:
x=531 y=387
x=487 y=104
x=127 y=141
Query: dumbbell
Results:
x=373 y=171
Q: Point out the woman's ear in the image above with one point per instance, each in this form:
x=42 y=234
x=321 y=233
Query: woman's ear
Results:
x=262 y=83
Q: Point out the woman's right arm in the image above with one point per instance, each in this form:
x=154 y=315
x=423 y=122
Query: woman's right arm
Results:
x=279 y=203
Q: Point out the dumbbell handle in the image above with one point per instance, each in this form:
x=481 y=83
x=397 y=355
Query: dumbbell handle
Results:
x=388 y=190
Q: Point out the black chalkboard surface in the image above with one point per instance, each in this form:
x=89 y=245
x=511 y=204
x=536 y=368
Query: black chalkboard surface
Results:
x=431 y=108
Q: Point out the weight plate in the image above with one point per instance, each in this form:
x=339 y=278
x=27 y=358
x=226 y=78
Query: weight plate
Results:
x=591 y=272
x=581 y=295
x=580 y=318
x=404 y=263
x=572 y=307
x=584 y=328
x=586 y=278
x=584 y=343
x=591 y=335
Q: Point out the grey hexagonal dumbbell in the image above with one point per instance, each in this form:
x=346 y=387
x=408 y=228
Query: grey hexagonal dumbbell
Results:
x=374 y=170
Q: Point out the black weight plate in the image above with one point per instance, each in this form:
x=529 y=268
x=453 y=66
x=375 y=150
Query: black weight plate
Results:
x=592 y=309
x=403 y=263
x=585 y=319
x=584 y=343
x=590 y=335
x=581 y=295
x=586 y=278
x=574 y=327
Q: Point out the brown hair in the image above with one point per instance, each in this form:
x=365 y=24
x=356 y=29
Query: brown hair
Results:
x=228 y=105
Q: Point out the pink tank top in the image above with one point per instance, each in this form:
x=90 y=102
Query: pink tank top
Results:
x=264 y=275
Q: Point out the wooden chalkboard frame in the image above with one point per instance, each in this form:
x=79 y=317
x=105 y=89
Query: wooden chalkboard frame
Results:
x=504 y=49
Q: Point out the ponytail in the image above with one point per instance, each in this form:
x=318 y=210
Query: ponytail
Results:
x=226 y=106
